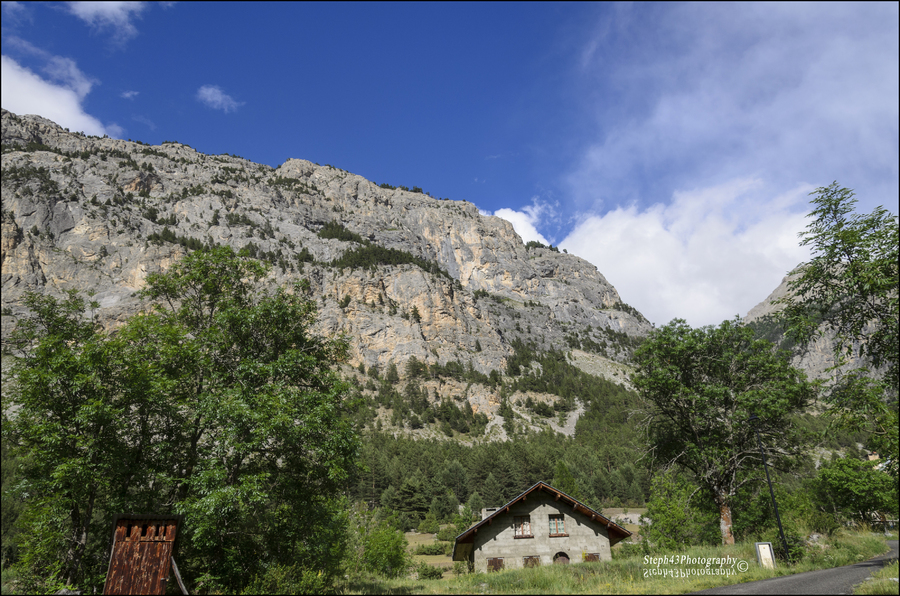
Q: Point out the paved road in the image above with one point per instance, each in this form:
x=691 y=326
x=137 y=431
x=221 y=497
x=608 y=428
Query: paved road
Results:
x=839 y=580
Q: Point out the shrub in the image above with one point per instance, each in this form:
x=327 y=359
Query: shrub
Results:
x=385 y=552
x=823 y=523
x=284 y=579
x=447 y=534
x=795 y=543
x=337 y=231
x=434 y=548
x=426 y=571
x=429 y=525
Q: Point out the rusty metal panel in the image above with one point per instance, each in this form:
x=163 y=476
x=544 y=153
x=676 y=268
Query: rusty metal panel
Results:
x=142 y=550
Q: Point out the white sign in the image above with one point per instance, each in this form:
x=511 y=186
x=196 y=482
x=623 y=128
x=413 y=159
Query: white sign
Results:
x=765 y=555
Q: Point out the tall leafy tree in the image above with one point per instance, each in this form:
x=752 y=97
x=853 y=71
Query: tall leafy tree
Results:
x=855 y=489
x=63 y=413
x=849 y=291
x=700 y=387
x=218 y=404
x=261 y=427
x=678 y=519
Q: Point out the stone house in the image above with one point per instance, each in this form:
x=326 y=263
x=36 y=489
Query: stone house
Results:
x=541 y=526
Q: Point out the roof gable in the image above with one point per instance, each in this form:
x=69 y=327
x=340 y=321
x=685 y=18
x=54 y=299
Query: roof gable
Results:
x=615 y=531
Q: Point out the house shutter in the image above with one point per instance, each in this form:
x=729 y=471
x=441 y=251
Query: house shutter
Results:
x=495 y=564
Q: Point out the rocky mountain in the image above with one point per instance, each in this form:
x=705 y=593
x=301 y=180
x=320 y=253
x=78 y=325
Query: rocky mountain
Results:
x=400 y=273
x=817 y=359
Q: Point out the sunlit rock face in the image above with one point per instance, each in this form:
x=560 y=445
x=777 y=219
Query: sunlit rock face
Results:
x=817 y=359
x=101 y=214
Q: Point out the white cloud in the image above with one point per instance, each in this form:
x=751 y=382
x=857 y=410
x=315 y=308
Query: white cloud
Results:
x=719 y=98
x=709 y=255
x=693 y=95
x=15 y=12
x=525 y=222
x=115 y=131
x=214 y=97
x=129 y=94
x=145 y=121
x=67 y=74
x=64 y=71
x=24 y=92
x=115 y=16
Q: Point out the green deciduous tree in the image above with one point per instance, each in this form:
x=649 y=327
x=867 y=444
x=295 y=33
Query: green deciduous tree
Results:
x=374 y=546
x=849 y=291
x=700 y=386
x=854 y=489
x=68 y=398
x=218 y=404
x=678 y=513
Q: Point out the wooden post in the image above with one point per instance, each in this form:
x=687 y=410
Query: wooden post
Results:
x=178 y=577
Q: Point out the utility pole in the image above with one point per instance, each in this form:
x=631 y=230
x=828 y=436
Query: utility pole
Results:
x=753 y=419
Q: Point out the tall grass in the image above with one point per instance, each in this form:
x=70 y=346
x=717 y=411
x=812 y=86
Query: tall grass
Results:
x=884 y=582
x=629 y=574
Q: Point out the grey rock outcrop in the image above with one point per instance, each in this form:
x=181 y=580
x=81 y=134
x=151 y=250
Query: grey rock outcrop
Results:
x=98 y=213
x=816 y=359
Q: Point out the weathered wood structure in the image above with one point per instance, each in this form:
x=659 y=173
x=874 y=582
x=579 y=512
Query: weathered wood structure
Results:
x=541 y=526
x=142 y=551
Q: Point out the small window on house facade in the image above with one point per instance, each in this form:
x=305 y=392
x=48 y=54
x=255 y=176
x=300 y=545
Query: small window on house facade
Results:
x=534 y=561
x=523 y=526
x=558 y=525
x=494 y=564
x=591 y=557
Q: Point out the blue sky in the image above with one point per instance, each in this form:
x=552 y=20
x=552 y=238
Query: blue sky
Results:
x=672 y=145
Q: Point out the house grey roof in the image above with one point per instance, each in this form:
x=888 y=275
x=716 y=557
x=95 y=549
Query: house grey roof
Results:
x=615 y=531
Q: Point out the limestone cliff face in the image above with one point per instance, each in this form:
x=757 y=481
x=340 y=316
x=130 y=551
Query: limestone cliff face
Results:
x=817 y=359
x=90 y=213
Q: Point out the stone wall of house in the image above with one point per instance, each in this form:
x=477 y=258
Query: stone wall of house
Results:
x=498 y=539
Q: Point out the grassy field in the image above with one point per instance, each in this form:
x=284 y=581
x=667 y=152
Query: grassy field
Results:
x=442 y=561
x=633 y=574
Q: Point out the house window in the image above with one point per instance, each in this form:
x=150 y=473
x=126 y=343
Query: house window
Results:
x=534 y=561
x=558 y=525
x=523 y=526
x=591 y=557
x=494 y=564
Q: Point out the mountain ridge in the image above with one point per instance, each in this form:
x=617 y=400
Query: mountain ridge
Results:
x=403 y=275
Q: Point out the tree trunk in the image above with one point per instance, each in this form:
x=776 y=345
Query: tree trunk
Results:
x=725 y=522
x=81 y=526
